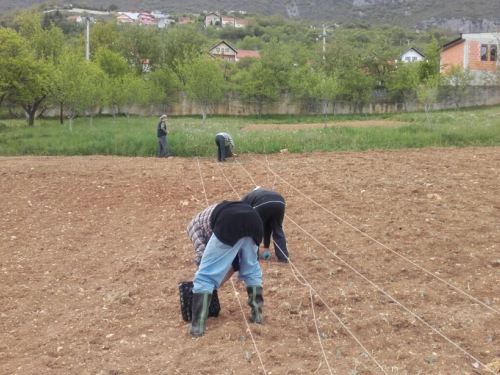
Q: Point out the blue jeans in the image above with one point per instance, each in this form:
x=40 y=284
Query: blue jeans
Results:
x=217 y=259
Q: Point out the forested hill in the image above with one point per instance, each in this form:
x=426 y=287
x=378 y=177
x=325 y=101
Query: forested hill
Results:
x=457 y=15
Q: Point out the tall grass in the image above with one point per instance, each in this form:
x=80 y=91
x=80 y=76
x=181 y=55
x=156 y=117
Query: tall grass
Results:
x=189 y=137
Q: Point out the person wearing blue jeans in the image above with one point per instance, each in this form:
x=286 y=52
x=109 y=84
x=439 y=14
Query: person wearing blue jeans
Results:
x=237 y=231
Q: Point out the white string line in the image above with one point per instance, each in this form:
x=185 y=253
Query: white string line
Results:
x=236 y=294
x=377 y=287
x=381 y=244
x=202 y=183
x=306 y=283
x=393 y=299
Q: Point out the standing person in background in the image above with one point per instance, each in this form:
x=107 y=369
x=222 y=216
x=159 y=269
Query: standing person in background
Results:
x=162 y=132
x=271 y=208
x=222 y=140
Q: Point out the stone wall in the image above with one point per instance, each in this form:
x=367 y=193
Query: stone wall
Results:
x=380 y=102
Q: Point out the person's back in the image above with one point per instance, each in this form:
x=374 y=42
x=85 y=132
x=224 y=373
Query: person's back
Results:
x=270 y=206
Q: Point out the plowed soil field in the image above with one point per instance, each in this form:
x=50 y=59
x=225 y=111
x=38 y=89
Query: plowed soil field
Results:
x=394 y=265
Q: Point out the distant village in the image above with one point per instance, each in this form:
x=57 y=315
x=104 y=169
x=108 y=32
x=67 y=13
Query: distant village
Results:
x=157 y=18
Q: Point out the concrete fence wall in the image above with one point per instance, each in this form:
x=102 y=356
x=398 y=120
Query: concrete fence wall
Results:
x=380 y=102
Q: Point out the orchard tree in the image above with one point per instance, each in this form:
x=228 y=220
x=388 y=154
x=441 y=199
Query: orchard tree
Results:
x=46 y=43
x=104 y=35
x=94 y=92
x=179 y=45
x=403 y=85
x=111 y=62
x=140 y=46
x=456 y=82
x=14 y=56
x=427 y=93
x=258 y=84
x=204 y=83
x=162 y=84
x=69 y=81
x=430 y=66
x=130 y=91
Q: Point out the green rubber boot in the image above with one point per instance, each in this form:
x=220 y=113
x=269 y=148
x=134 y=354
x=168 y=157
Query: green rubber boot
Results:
x=255 y=301
x=201 y=302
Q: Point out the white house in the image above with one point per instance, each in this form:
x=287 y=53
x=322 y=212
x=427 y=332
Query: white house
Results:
x=411 y=55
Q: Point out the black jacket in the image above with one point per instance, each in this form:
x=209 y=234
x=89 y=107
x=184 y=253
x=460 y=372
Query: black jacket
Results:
x=231 y=221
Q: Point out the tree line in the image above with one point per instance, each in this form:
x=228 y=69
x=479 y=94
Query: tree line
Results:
x=43 y=68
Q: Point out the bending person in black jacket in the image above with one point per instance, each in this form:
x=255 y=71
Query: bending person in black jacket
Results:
x=271 y=208
x=237 y=231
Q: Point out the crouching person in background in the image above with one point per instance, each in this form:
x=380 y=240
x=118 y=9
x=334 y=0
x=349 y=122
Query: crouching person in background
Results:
x=237 y=231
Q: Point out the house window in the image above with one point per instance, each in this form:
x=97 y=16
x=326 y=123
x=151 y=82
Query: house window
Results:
x=227 y=49
x=407 y=59
x=484 y=52
x=414 y=58
x=229 y=59
x=493 y=52
x=217 y=49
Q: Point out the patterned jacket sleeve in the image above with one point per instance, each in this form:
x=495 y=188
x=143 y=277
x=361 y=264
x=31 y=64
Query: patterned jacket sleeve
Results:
x=199 y=231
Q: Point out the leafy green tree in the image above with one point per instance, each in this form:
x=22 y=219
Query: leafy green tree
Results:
x=111 y=62
x=456 y=82
x=162 y=84
x=179 y=45
x=404 y=83
x=251 y=43
x=14 y=56
x=379 y=60
x=140 y=46
x=428 y=92
x=104 y=35
x=430 y=67
x=94 y=93
x=33 y=90
x=69 y=82
x=48 y=43
x=258 y=84
x=130 y=89
x=204 y=83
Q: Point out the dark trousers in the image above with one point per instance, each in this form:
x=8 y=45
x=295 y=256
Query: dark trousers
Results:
x=220 y=141
x=163 y=146
x=272 y=215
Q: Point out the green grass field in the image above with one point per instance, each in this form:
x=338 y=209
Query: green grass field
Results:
x=189 y=137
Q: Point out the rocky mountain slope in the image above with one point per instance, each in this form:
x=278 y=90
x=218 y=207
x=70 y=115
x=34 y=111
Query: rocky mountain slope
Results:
x=457 y=15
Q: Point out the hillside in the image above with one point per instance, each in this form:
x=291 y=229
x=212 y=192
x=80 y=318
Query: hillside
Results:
x=457 y=15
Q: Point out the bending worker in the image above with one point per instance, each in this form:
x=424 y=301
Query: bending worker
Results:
x=237 y=232
x=271 y=208
x=222 y=140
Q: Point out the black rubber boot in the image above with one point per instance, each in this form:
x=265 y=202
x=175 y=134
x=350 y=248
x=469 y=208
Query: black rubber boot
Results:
x=201 y=302
x=255 y=301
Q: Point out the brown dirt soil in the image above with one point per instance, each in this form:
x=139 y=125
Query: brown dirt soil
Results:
x=385 y=249
x=356 y=124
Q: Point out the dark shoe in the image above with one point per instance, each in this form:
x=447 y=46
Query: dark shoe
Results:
x=256 y=301
x=201 y=302
x=282 y=260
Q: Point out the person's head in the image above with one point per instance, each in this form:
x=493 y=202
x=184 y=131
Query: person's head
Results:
x=163 y=117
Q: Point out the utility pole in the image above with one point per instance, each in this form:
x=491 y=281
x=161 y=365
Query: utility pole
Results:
x=87 y=40
x=324 y=41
